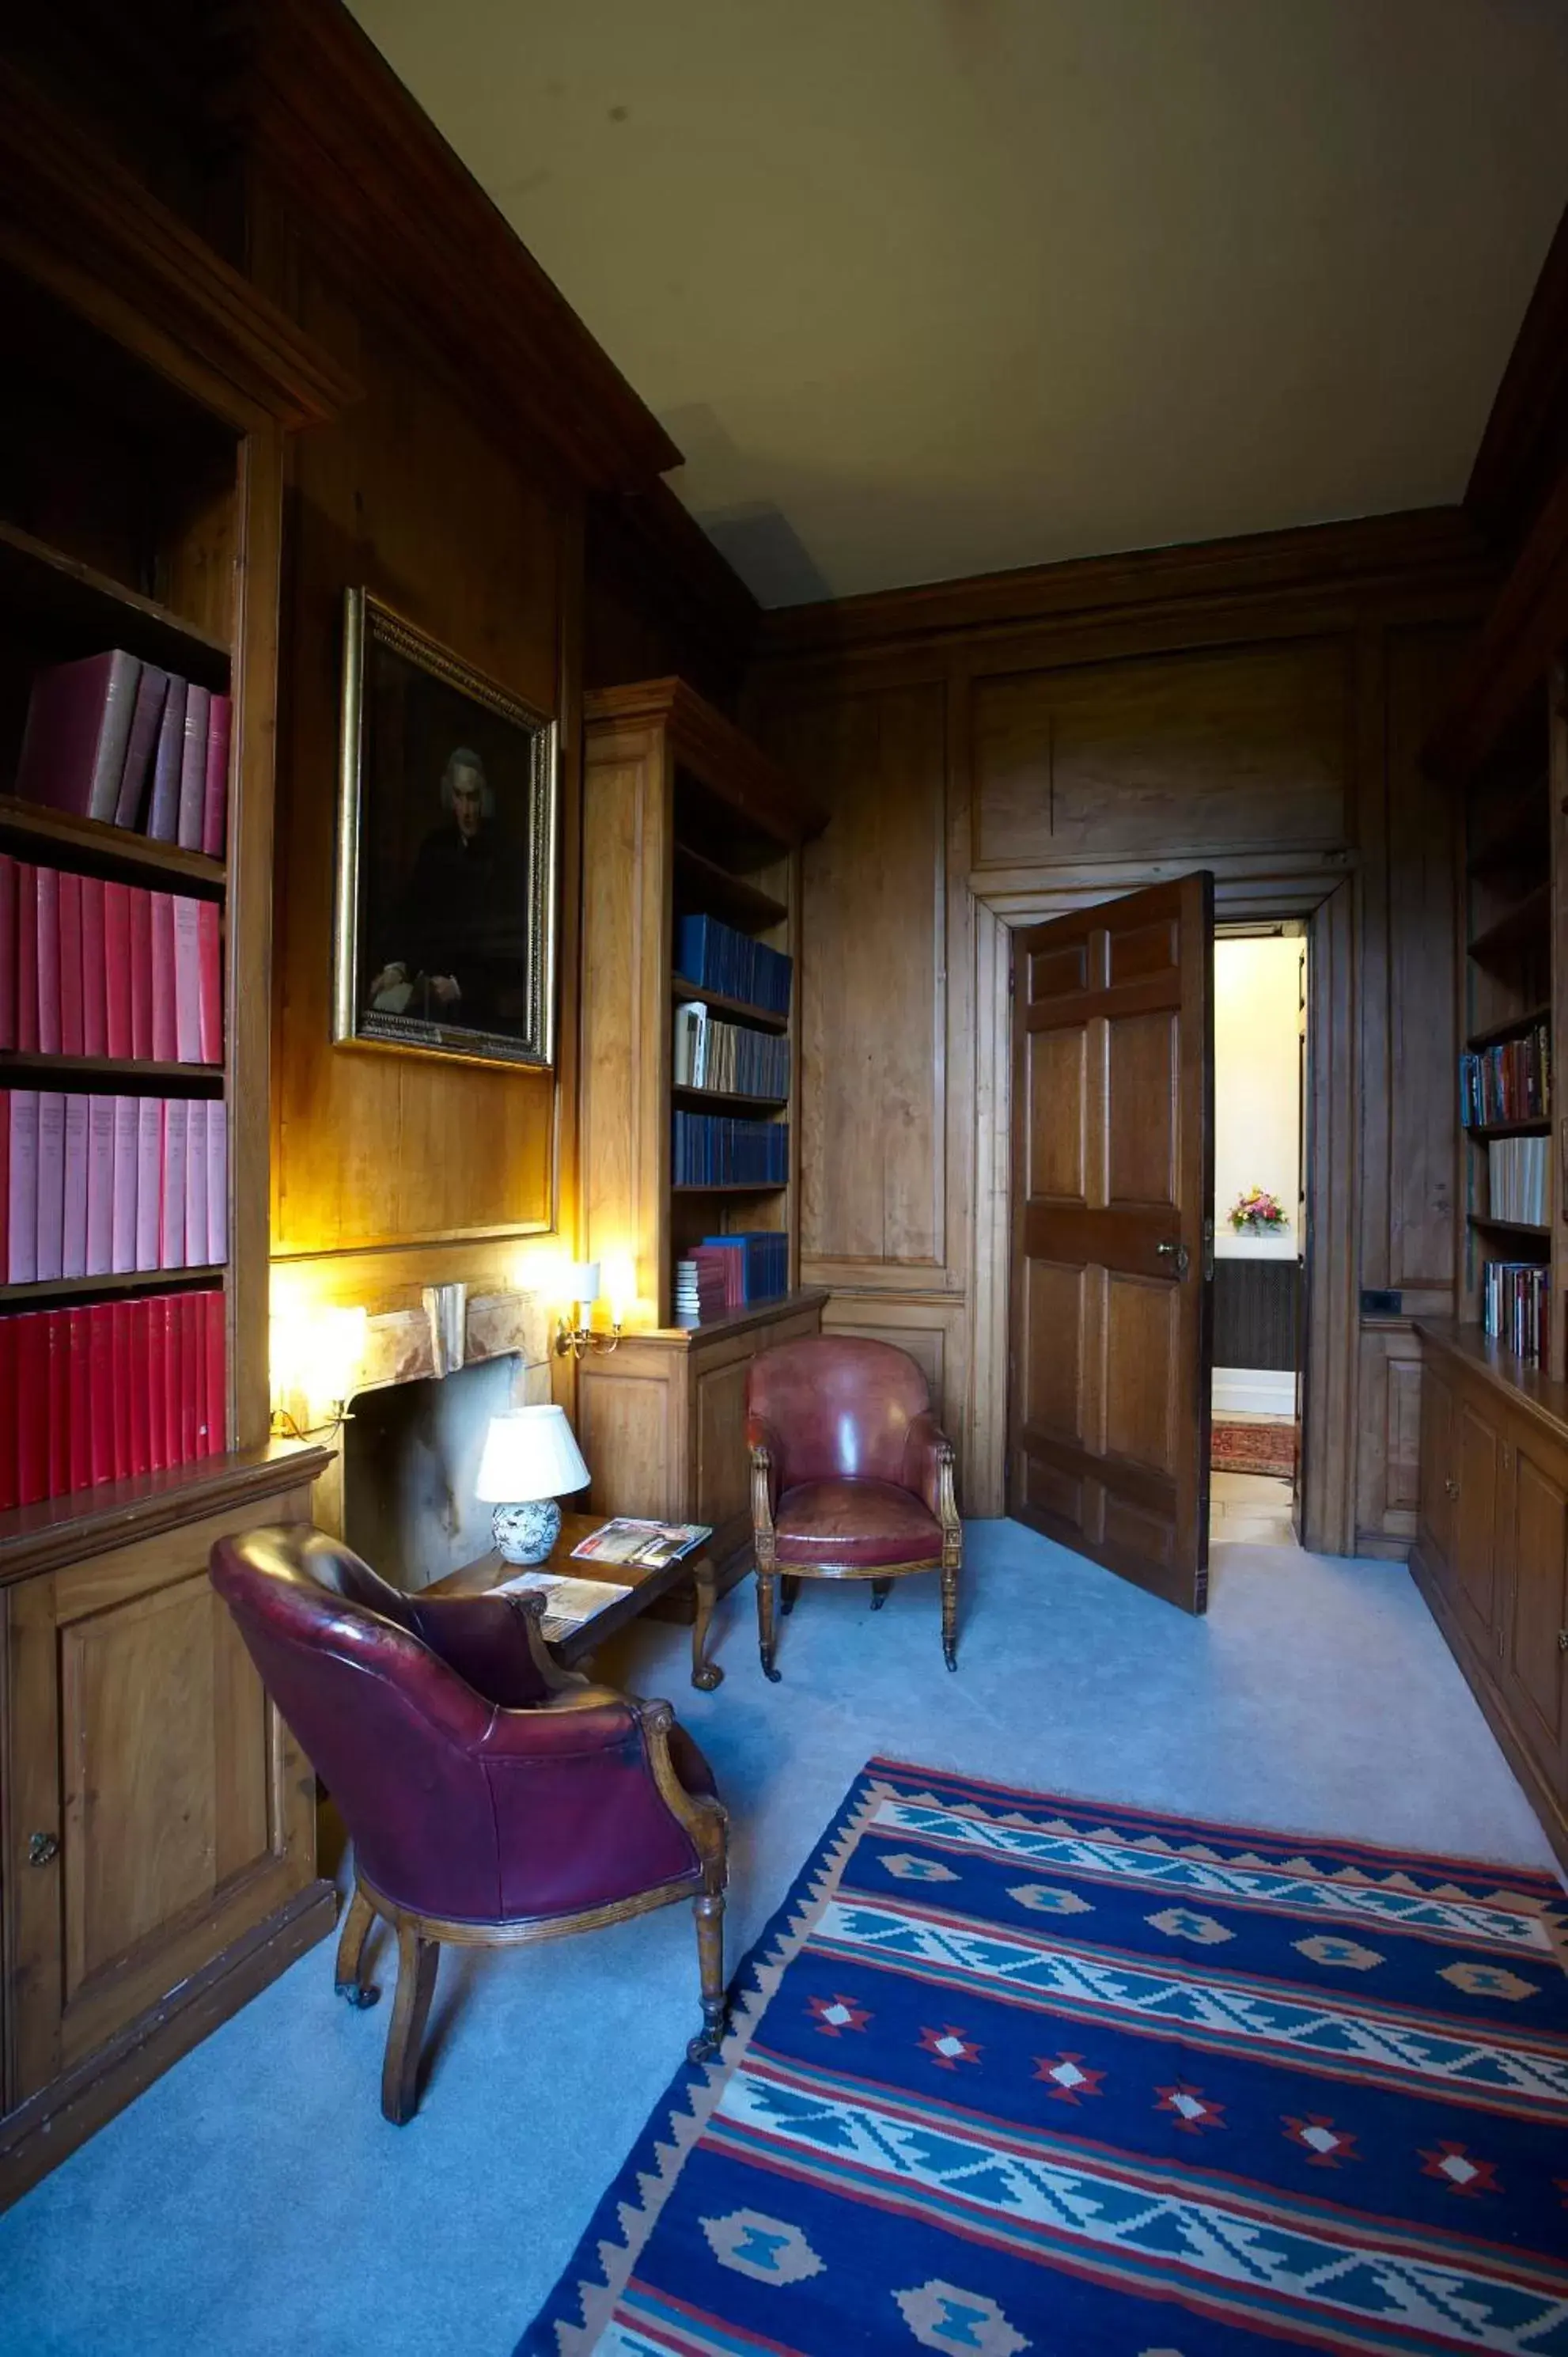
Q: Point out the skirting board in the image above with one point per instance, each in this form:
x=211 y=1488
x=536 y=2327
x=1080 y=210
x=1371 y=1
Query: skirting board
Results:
x=37 y=2136
x=1254 y=1391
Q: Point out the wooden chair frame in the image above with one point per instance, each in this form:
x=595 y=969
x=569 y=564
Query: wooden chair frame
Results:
x=949 y=1563
x=420 y=1938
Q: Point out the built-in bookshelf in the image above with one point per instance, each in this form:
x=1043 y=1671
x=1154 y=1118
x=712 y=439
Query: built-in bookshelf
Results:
x=1514 y=1261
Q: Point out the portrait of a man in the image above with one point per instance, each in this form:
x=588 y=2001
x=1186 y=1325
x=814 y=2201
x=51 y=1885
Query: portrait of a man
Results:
x=445 y=887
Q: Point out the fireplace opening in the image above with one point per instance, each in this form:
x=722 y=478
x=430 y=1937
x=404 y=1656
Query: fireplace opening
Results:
x=410 y=1455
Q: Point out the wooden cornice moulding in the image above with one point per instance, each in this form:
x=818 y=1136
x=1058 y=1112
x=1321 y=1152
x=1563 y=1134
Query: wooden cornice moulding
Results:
x=1371 y=555
x=1526 y=442
x=714 y=750
x=79 y=223
x=91 y=1522
x=320 y=111
x=1522 y=636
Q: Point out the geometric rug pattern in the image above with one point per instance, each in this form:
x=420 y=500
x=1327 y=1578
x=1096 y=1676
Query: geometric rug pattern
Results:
x=1261 y=1447
x=1010 y=2071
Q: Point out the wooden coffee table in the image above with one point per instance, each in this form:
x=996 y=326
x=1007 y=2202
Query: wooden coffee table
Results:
x=487 y=1571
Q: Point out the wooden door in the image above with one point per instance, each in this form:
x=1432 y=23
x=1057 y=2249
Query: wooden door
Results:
x=1438 y=1485
x=1113 y=1233
x=1534 y=1666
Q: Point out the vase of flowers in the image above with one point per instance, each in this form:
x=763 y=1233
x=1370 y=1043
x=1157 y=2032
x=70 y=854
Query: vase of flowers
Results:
x=1256 y=1212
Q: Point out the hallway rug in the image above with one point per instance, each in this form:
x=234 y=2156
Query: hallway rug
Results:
x=1012 y=2073
x=1260 y=1448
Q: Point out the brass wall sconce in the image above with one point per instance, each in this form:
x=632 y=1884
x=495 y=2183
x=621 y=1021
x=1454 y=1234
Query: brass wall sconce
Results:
x=574 y=1334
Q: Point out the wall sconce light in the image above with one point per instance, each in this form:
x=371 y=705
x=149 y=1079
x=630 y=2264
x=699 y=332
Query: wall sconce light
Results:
x=315 y=1360
x=577 y=1333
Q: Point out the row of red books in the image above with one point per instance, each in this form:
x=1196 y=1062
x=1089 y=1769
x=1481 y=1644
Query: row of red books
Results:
x=105 y=1392
x=95 y=969
x=91 y=1186
x=114 y=738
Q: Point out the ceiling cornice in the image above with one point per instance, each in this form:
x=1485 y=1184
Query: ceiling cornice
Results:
x=1525 y=446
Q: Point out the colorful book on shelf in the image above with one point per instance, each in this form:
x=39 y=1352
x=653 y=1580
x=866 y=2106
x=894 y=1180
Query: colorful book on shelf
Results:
x=728 y=1150
x=99 y=1185
x=79 y=1385
x=152 y=694
x=642 y=1545
x=733 y=1057
x=1516 y=1304
x=78 y=726
x=1517 y=1181
x=1508 y=1082
x=90 y=968
x=113 y=738
x=757 y=1264
x=717 y=957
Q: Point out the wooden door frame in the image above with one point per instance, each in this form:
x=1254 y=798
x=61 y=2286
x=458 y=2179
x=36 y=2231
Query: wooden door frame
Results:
x=1324 y=893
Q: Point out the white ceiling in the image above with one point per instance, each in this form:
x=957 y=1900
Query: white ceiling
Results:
x=928 y=288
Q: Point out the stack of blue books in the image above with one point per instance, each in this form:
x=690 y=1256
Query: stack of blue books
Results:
x=761 y=1271
x=715 y=957
x=714 y=1149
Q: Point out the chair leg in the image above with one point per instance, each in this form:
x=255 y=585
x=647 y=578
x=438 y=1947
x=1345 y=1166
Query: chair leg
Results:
x=790 y=1589
x=417 y=1959
x=709 y=1910
x=880 y=1591
x=950 y=1615
x=358 y=1918
x=766 y=1637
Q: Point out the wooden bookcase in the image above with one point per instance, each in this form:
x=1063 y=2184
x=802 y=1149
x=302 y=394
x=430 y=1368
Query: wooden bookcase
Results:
x=682 y=816
x=158 y=1841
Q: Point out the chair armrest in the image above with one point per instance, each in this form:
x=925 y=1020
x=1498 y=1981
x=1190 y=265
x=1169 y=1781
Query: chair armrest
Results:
x=573 y=1725
x=928 y=1469
x=494 y=1644
x=766 y=1461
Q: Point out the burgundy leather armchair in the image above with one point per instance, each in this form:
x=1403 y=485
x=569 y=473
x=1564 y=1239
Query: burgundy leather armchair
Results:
x=852 y=1476
x=491 y=1798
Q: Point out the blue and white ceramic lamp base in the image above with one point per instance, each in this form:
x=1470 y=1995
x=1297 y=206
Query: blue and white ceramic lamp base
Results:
x=526 y=1533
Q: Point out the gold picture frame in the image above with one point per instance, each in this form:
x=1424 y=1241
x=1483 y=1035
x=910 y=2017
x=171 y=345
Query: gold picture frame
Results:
x=445 y=902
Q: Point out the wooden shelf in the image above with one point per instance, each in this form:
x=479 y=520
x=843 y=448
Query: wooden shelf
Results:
x=731 y=899
x=1508 y=1227
x=681 y=990
x=35 y=832
x=56 y=1289
x=1482 y=1131
x=1516 y=1025
x=733 y=1187
x=96 y=612
x=727 y=1097
x=1528 y=920
x=128 y=1074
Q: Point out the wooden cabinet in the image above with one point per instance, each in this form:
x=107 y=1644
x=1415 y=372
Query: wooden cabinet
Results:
x=1492 y=1555
x=159 y=1821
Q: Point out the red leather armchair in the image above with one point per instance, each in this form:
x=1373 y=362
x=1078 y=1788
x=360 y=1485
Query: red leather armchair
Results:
x=491 y=1798
x=852 y=1476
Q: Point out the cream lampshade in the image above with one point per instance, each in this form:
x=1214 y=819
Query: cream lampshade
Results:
x=529 y=1459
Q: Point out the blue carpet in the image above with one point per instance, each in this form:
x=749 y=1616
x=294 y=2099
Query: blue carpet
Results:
x=1014 y=2073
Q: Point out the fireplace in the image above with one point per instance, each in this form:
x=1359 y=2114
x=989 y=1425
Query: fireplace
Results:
x=410 y=1456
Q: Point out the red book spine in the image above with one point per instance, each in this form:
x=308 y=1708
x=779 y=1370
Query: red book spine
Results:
x=215 y=809
x=51 y=1185
x=140 y=973
x=193 y=768
x=73 y=1238
x=173 y=1373
x=33 y=1409
x=186 y=976
x=171 y=1240
x=196 y=1114
x=218 y=1184
x=70 y=1020
x=149 y=1181
x=101 y=1383
x=139 y=1326
x=123 y=1218
x=22 y=1189
x=217 y=1389
x=210 y=954
x=5 y=1185
x=94 y=989
x=79 y=1413
x=192 y=1378
x=8 y=949
x=117 y=990
x=26 y=957
x=158 y=1381
x=56 y=1350
x=10 y=1417
x=48 y=961
x=100 y=1186
x=120 y=1340
x=165 y=1038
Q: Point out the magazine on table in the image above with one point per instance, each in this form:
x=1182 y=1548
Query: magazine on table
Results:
x=568 y=1602
x=642 y=1546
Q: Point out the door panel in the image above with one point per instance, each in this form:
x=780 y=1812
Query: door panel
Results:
x=1112 y=1233
x=1437 y=1482
x=1535 y=1665
x=1477 y=1449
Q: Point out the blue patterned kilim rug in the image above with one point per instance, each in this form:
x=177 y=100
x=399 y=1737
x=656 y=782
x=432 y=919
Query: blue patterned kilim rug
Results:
x=1012 y=2072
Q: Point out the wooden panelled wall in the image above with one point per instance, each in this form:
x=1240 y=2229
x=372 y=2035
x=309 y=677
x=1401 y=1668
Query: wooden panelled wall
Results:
x=1000 y=749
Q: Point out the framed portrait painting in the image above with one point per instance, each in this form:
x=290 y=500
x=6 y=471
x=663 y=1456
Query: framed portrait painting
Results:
x=444 y=931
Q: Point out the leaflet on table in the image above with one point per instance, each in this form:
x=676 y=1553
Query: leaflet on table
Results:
x=567 y=1602
x=647 y=1546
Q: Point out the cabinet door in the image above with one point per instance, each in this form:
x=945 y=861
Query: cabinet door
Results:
x=1478 y=1454
x=1438 y=1483
x=1534 y=1669
x=161 y=1809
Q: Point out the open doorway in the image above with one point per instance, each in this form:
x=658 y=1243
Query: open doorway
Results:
x=1259 y=1220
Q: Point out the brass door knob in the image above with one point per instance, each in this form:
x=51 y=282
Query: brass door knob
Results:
x=42 y=1848
x=1176 y=1252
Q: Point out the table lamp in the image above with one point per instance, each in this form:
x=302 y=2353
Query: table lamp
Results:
x=529 y=1459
